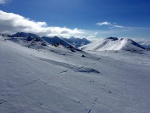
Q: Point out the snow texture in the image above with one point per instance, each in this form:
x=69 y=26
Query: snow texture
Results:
x=55 y=80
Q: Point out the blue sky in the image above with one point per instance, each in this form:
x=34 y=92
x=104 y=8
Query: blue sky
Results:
x=92 y=18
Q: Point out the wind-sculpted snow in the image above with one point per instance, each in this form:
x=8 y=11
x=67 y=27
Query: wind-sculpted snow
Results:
x=70 y=66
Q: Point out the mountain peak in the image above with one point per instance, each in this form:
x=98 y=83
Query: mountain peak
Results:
x=113 y=43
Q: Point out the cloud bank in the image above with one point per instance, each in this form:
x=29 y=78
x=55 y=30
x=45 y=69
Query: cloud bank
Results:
x=12 y=23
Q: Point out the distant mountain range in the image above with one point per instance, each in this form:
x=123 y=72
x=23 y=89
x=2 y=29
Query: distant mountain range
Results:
x=111 y=43
x=54 y=40
x=77 y=42
x=23 y=34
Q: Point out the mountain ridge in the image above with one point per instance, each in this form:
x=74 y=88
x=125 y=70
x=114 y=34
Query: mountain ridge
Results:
x=110 y=43
x=113 y=43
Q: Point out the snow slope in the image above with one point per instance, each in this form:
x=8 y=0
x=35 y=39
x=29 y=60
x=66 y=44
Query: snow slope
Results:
x=57 y=41
x=113 y=43
x=56 y=80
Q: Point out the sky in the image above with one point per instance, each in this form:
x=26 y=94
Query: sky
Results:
x=78 y=18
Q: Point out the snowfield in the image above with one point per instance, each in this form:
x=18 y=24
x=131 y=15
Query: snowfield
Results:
x=56 y=80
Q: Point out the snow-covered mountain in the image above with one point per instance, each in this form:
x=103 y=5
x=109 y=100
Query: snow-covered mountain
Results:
x=28 y=40
x=66 y=42
x=57 y=41
x=35 y=41
x=56 y=80
x=23 y=34
x=77 y=42
x=113 y=43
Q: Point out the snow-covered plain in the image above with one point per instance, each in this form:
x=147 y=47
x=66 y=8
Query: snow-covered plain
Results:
x=56 y=80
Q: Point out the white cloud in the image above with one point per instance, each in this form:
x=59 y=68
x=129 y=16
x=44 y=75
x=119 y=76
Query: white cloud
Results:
x=3 y=1
x=114 y=25
x=118 y=26
x=103 y=23
x=11 y=23
x=110 y=24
